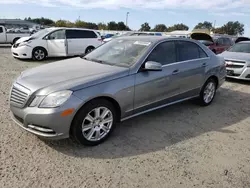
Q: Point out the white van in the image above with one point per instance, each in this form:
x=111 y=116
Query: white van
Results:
x=56 y=42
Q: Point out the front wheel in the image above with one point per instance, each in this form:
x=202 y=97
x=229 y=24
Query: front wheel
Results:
x=94 y=122
x=39 y=54
x=89 y=49
x=208 y=92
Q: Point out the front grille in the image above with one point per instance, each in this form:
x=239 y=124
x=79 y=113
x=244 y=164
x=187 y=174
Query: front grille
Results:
x=19 y=95
x=235 y=64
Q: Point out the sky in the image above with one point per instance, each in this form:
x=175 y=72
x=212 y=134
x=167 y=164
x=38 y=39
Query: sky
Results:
x=168 y=12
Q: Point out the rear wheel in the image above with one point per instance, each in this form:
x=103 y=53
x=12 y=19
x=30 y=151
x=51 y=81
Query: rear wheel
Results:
x=39 y=54
x=208 y=92
x=94 y=122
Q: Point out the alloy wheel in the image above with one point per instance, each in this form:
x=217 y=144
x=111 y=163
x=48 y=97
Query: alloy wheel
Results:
x=97 y=124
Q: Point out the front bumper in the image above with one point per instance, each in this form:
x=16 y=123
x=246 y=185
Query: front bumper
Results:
x=47 y=123
x=23 y=52
x=242 y=74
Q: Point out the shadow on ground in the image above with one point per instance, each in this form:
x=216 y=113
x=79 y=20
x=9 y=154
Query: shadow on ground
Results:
x=159 y=129
x=245 y=82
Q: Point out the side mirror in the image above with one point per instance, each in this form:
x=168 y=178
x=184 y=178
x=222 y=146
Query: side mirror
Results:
x=152 y=66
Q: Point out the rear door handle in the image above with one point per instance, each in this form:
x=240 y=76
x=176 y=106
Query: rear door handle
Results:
x=175 y=71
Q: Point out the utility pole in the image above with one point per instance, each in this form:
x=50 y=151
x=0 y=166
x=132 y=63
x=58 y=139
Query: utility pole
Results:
x=127 y=18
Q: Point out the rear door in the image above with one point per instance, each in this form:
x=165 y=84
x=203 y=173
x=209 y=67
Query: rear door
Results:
x=192 y=61
x=79 y=40
x=56 y=43
x=2 y=35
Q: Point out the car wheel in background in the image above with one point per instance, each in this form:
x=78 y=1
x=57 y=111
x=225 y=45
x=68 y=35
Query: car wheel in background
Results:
x=89 y=49
x=208 y=92
x=39 y=54
x=14 y=41
x=94 y=122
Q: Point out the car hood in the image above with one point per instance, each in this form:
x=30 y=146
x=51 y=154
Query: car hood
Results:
x=22 y=39
x=236 y=56
x=74 y=74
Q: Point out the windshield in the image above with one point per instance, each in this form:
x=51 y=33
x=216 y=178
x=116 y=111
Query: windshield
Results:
x=41 y=33
x=119 y=52
x=240 y=47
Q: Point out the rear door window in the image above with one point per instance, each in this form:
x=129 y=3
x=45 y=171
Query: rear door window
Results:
x=80 y=34
x=188 y=51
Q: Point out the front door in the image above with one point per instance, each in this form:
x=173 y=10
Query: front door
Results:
x=153 y=88
x=2 y=35
x=56 y=43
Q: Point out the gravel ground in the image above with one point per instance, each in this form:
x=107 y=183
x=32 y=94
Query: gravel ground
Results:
x=184 y=145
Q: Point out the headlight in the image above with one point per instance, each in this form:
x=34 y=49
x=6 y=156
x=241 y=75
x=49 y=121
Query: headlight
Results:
x=56 y=99
x=24 y=43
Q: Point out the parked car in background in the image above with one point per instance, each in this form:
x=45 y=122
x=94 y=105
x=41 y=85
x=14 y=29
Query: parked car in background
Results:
x=85 y=97
x=237 y=61
x=129 y=34
x=240 y=39
x=56 y=42
x=216 y=44
x=9 y=37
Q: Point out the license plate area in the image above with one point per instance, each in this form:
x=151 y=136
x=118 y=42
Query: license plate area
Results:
x=230 y=72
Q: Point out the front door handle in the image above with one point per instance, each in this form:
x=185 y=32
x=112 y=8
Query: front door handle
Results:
x=204 y=64
x=175 y=71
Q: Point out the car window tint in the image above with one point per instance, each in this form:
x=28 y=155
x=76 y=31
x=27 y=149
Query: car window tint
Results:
x=220 y=41
x=164 y=53
x=227 y=41
x=1 y=30
x=187 y=51
x=202 y=53
x=80 y=34
x=60 y=34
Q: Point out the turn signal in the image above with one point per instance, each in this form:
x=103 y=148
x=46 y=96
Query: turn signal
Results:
x=67 y=112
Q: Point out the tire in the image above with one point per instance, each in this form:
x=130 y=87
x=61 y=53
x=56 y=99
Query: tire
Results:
x=89 y=49
x=14 y=41
x=208 y=92
x=88 y=128
x=39 y=54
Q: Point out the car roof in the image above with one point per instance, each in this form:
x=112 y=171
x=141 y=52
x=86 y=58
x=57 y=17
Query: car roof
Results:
x=153 y=39
x=69 y=28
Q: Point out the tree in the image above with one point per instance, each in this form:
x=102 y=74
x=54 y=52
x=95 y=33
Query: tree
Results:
x=102 y=26
x=233 y=28
x=204 y=25
x=145 y=27
x=61 y=23
x=41 y=21
x=160 y=28
x=112 y=25
x=122 y=27
x=181 y=26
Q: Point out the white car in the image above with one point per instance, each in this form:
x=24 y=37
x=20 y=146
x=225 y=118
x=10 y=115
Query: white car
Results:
x=56 y=42
x=9 y=37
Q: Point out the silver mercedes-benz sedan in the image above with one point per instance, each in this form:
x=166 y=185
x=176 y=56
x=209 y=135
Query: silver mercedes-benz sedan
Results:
x=84 y=97
x=237 y=61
